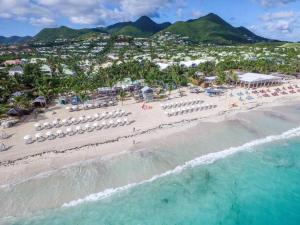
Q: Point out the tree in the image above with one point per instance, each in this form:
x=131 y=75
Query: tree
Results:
x=122 y=95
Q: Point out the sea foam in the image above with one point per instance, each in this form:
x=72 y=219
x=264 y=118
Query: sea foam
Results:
x=205 y=159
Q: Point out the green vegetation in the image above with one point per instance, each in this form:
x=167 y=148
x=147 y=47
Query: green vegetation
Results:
x=143 y=27
x=52 y=34
x=213 y=29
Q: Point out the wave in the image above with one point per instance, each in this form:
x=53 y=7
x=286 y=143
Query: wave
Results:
x=205 y=159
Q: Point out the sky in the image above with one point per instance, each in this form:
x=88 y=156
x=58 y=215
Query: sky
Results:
x=277 y=19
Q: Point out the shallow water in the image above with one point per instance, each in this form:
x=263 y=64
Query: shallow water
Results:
x=217 y=193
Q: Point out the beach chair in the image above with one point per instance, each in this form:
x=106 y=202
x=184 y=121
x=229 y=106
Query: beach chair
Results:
x=96 y=116
x=50 y=135
x=39 y=137
x=95 y=126
x=90 y=118
x=79 y=130
x=28 y=139
x=38 y=126
x=111 y=123
x=88 y=128
x=55 y=123
x=64 y=122
x=104 y=125
x=60 y=133
x=126 y=121
x=69 y=131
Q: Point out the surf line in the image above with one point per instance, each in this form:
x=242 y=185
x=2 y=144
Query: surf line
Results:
x=202 y=160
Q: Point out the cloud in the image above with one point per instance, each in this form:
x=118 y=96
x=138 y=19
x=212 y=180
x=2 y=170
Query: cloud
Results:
x=281 y=25
x=87 y=12
x=268 y=3
x=42 y=21
x=284 y=21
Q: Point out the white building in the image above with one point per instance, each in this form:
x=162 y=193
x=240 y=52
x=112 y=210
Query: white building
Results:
x=16 y=70
x=258 y=80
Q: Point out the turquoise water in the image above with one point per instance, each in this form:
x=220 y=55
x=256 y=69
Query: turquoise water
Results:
x=258 y=183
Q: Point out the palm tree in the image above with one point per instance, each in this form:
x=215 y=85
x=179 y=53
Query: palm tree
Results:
x=122 y=95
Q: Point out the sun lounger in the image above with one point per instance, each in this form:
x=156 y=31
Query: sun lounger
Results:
x=70 y=131
x=79 y=130
x=50 y=135
x=60 y=133
x=39 y=137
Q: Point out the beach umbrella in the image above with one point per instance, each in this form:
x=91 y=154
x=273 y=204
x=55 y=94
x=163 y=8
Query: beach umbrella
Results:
x=3 y=135
x=78 y=129
x=28 y=139
x=46 y=125
x=38 y=126
x=96 y=115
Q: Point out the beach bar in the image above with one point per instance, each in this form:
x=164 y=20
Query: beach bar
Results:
x=258 y=80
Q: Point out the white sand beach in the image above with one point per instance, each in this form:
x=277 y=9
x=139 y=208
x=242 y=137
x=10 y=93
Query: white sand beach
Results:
x=22 y=161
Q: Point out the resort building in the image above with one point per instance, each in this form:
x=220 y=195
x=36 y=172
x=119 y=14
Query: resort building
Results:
x=16 y=70
x=258 y=80
x=147 y=93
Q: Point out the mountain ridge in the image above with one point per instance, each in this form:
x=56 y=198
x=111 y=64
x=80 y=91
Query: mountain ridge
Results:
x=210 y=28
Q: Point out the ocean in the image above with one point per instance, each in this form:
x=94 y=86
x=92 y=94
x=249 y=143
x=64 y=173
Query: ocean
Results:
x=246 y=177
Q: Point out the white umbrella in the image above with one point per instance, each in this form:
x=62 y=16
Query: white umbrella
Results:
x=38 y=135
x=69 y=130
x=95 y=125
x=28 y=139
x=78 y=128
x=37 y=125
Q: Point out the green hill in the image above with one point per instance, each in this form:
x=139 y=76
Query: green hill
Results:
x=52 y=34
x=213 y=29
x=143 y=27
x=14 y=40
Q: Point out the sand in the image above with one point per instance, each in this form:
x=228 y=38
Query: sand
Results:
x=21 y=161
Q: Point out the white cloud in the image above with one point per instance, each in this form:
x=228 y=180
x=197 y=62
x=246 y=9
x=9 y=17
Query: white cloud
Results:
x=88 y=12
x=282 y=25
x=269 y=3
x=42 y=21
x=284 y=21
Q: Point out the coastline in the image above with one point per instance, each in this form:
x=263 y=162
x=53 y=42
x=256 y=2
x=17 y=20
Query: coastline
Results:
x=19 y=169
x=96 y=168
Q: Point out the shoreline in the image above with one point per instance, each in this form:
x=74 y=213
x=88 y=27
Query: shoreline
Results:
x=115 y=146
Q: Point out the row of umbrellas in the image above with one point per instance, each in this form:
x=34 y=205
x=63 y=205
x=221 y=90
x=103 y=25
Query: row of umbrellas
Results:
x=82 y=119
x=181 y=103
x=70 y=131
x=89 y=106
x=189 y=109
